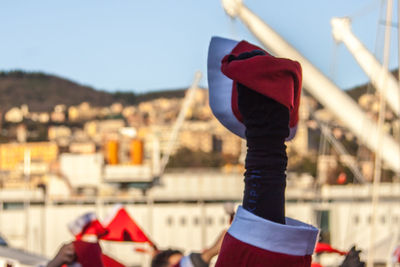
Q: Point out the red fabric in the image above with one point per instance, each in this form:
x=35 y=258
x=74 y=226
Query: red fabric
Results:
x=239 y=254
x=326 y=248
x=124 y=228
x=316 y=265
x=277 y=78
x=110 y=262
x=93 y=228
x=88 y=254
x=234 y=103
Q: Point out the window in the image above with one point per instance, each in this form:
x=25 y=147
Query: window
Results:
x=170 y=221
x=356 y=219
x=183 y=221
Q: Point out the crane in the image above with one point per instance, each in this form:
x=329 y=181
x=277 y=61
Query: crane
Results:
x=318 y=85
x=187 y=102
x=380 y=77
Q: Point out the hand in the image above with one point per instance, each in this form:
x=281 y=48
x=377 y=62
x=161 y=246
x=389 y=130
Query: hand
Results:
x=246 y=55
x=66 y=255
x=212 y=251
x=353 y=259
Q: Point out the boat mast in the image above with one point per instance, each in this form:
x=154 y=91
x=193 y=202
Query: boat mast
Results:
x=381 y=119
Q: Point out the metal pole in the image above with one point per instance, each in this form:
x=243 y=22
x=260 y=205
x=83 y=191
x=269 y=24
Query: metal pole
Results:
x=179 y=121
x=27 y=172
x=378 y=157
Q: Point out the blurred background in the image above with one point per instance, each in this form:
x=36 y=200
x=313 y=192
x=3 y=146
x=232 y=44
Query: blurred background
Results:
x=105 y=103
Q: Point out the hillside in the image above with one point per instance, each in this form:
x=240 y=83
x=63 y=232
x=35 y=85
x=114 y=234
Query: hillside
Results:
x=41 y=92
x=358 y=91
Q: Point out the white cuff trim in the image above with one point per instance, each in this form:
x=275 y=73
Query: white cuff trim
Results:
x=293 y=238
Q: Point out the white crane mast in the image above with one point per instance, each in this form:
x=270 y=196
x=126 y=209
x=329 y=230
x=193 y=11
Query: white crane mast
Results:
x=324 y=90
x=187 y=102
x=380 y=77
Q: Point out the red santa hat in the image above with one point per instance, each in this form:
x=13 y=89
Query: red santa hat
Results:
x=327 y=248
x=277 y=78
x=88 y=254
x=87 y=225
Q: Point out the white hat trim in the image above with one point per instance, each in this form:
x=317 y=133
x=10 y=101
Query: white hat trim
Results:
x=220 y=86
x=76 y=227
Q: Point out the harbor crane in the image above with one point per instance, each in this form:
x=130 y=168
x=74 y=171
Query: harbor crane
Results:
x=380 y=76
x=320 y=87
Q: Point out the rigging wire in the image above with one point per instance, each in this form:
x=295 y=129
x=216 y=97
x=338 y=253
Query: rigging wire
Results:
x=381 y=120
x=365 y=10
x=397 y=125
x=369 y=90
x=371 y=7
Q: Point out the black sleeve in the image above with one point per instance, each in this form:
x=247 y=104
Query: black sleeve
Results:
x=197 y=261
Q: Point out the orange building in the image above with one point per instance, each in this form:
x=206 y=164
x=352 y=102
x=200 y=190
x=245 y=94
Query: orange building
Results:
x=12 y=154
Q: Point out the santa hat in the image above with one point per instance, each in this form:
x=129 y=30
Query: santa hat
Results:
x=277 y=78
x=121 y=227
x=87 y=225
x=88 y=254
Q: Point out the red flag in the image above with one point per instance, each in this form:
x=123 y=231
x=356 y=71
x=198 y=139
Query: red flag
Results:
x=324 y=247
x=110 y=262
x=121 y=227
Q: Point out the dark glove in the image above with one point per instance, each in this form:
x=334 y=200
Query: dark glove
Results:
x=353 y=259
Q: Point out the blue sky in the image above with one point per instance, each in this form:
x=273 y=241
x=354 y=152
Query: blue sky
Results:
x=149 y=45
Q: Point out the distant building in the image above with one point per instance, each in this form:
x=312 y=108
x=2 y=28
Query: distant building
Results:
x=14 y=115
x=42 y=117
x=57 y=117
x=82 y=148
x=22 y=133
x=12 y=154
x=73 y=113
x=116 y=108
x=57 y=132
x=82 y=170
x=98 y=131
x=129 y=111
x=25 y=110
x=83 y=112
x=196 y=136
